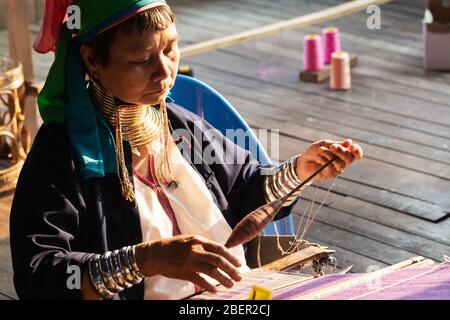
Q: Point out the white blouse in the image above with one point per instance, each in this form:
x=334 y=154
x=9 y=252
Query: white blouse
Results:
x=190 y=209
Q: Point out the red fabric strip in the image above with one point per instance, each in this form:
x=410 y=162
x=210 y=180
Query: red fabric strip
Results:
x=152 y=182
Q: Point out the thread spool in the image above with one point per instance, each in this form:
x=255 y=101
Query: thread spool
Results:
x=313 y=53
x=340 y=78
x=331 y=42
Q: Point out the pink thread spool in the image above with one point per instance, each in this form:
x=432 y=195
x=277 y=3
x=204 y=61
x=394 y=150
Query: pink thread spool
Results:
x=313 y=53
x=331 y=42
x=340 y=78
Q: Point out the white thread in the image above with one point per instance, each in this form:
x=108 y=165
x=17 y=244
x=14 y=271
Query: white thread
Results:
x=258 y=256
x=318 y=209
x=311 y=209
x=295 y=245
x=278 y=240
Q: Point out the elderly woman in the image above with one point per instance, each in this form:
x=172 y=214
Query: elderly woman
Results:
x=105 y=187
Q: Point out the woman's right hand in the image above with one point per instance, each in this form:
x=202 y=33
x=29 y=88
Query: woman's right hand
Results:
x=184 y=257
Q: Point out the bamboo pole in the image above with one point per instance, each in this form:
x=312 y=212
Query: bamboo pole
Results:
x=295 y=23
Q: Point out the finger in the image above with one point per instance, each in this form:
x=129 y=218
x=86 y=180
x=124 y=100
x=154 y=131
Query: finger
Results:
x=214 y=273
x=326 y=143
x=320 y=160
x=347 y=143
x=202 y=282
x=354 y=148
x=222 y=251
x=220 y=262
x=328 y=173
x=338 y=163
x=195 y=239
x=332 y=172
x=342 y=153
x=357 y=151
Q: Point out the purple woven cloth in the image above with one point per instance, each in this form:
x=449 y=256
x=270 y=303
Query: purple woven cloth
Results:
x=420 y=283
x=309 y=286
x=414 y=283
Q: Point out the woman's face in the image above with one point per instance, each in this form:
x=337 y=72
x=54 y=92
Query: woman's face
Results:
x=141 y=68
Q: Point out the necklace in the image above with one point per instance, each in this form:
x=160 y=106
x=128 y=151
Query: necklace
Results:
x=141 y=124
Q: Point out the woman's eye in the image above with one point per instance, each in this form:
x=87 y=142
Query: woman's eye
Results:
x=142 y=61
x=170 y=51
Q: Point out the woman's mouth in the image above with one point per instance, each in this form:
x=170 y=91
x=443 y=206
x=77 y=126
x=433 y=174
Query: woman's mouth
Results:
x=157 y=91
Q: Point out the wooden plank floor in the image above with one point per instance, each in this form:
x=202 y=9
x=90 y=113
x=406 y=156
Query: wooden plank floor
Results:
x=394 y=203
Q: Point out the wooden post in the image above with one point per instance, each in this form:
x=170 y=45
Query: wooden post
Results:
x=19 y=35
x=17 y=17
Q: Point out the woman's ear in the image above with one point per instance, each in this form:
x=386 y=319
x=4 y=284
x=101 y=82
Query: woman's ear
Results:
x=90 y=60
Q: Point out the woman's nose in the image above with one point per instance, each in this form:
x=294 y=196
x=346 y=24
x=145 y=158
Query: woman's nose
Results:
x=162 y=71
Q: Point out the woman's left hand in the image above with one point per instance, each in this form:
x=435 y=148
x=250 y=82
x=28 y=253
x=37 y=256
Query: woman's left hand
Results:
x=318 y=153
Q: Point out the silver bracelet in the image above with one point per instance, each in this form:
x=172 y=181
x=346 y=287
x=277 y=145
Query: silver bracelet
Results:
x=283 y=181
x=106 y=271
x=127 y=268
x=96 y=278
x=116 y=270
x=132 y=256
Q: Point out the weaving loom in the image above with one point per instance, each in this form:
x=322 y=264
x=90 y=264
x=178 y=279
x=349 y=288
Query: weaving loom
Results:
x=414 y=279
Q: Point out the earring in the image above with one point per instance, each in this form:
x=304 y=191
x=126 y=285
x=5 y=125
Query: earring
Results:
x=87 y=78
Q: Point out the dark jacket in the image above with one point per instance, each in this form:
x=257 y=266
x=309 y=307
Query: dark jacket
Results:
x=59 y=219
